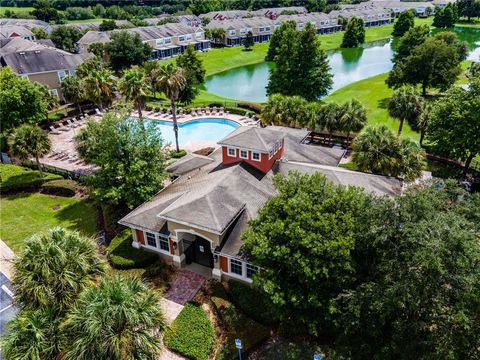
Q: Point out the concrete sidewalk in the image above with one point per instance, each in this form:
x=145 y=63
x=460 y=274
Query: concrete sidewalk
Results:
x=6 y=260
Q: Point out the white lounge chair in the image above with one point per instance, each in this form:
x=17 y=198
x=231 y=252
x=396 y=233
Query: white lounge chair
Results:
x=53 y=130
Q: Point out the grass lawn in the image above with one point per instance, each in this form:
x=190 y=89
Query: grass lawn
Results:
x=94 y=20
x=23 y=215
x=16 y=10
x=373 y=93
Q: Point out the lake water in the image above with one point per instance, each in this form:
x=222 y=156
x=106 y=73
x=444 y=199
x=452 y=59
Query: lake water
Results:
x=348 y=66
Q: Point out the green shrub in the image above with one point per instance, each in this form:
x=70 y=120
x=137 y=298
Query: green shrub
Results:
x=237 y=111
x=177 y=154
x=19 y=178
x=253 y=302
x=61 y=187
x=240 y=326
x=123 y=256
x=252 y=107
x=191 y=334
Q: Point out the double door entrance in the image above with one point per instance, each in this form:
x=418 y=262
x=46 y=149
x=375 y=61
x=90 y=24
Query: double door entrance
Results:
x=199 y=251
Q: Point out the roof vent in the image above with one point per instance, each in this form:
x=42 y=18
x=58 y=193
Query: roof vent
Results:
x=37 y=51
x=22 y=53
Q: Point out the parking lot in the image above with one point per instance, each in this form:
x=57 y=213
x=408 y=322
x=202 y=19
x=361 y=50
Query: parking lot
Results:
x=7 y=310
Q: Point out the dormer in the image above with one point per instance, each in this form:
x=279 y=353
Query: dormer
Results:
x=259 y=147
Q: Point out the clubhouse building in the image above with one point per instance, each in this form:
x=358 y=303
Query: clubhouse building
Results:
x=201 y=216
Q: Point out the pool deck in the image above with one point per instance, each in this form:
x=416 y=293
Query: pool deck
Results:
x=64 y=154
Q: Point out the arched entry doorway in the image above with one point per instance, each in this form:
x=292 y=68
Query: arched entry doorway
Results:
x=198 y=249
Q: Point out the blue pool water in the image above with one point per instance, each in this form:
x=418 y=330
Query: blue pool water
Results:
x=195 y=130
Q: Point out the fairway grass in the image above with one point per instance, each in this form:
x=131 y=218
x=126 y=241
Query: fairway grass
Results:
x=17 y=10
x=373 y=93
x=25 y=214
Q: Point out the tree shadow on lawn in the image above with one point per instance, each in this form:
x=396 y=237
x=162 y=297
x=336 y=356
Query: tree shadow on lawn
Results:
x=81 y=216
x=383 y=103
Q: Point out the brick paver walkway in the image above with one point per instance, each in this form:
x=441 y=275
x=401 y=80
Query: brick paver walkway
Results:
x=184 y=287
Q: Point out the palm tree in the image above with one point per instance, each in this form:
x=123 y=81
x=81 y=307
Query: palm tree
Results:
x=405 y=104
x=353 y=117
x=331 y=119
x=413 y=159
x=171 y=81
x=376 y=150
x=119 y=319
x=134 y=87
x=30 y=141
x=53 y=268
x=152 y=71
x=33 y=334
x=73 y=90
x=99 y=85
x=423 y=120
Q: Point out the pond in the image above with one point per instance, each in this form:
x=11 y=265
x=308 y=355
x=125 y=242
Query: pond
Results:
x=348 y=66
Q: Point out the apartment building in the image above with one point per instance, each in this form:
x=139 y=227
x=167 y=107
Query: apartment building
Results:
x=236 y=30
x=371 y=16
x=10 y=31
x=262 y=28
x=421 y=8
x=324 y=23
x=38 y=62
x=165 y=40
x=274 y=13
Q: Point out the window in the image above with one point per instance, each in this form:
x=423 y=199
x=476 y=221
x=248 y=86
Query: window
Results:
x=268 y=28
x=72 y=72
x=270 y=154
x=244 y=154
x=167 y=40
x=232 y=152
x=261 y=29
x=300 y=25
x=251 y=270
x=151 y=241
x=256 y=156
x=61 y=75
x=243 y=31
x=54 y=92
x=198 y=35
x=232 y=33
x=189 y=37
x=236 y=267
x=181 y=38
x=159 y=42
x=164 y=243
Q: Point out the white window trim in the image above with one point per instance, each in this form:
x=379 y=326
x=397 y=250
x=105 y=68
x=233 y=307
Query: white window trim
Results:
x=259 y=156
x=270 y=154
x=54 y=92
x=243 y=157
x=157 y=243
x=167 y=40
x=241 y=267
x=64 y=74
x=188 y=37
x=228 y=152
x=232 y=32
x=181 y=36
x=198 y=35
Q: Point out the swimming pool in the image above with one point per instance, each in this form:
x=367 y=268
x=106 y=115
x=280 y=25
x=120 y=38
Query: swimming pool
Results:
x=196 y=130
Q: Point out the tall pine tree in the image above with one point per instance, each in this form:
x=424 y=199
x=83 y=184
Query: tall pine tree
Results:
x=301 y=66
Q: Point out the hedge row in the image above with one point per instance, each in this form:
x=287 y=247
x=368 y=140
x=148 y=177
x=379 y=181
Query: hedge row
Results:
x=253 y=302
x=60 y=187
x=15 y=178
x=191 y=334
x=123 y=256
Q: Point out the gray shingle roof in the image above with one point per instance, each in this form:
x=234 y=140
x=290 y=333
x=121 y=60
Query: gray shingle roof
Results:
x=188 y=163
x=261 y=139
x=26 y=57
x=146 y=33
x=7 y=31
x=375 y=184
